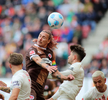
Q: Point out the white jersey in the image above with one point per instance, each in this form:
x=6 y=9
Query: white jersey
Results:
x=21 y=80
x=72 y=88
x=94 y=94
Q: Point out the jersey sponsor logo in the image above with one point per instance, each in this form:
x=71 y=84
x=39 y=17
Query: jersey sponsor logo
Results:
x=15 y=83
x=49 y=55
x=32 y=52
x=31 y=97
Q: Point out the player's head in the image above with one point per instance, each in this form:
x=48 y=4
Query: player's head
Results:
x=45 y=39
x=99 y=80
x=77 y=53
x=15 y=59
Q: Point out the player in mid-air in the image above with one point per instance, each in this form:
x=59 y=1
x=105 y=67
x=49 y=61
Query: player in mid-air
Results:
x=39 y=63
x=20 y=87
x=100 y=91
x=68 y=90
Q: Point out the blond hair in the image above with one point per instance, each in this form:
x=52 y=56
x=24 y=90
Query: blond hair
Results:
x=15 y=59
x=98 y=73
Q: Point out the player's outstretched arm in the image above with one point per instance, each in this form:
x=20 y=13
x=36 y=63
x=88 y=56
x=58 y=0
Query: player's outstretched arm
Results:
x=41 y=63
x=5 y=89
x=60 y=76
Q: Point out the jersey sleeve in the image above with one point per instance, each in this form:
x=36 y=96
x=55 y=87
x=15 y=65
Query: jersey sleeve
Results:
x=17 y=82
x=66 y=73
x=71 y=70
x=32 y=53
x=88 y=95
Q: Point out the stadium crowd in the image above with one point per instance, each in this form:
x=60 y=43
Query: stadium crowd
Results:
x=23 y=20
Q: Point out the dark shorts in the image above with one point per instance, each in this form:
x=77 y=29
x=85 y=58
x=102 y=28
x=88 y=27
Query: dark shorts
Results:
x=36 y=96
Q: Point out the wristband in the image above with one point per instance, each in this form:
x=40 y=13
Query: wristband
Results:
x=53 y=63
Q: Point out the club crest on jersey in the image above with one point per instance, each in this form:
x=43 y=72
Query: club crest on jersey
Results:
x=46 y=87
x=49 y=55
x=32 y=52
x=31 y=97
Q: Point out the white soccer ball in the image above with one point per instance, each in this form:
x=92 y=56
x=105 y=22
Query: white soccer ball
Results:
x=55 y=20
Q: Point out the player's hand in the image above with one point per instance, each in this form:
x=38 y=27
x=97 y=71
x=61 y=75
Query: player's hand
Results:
x=103 y=97
x=52 y=69
x=70 y=77
x=3 y=84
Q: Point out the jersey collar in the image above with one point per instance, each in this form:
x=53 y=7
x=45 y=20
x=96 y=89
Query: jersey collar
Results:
x=40 y=47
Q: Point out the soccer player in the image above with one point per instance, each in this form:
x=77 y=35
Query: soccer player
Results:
x=68 y=90
x=39 y=63
x=100 y=91
x=20 y=87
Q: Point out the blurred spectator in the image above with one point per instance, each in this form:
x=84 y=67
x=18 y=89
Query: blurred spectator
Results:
x=23 y=20
x=92 y=67
x=87 y=4
x=90 y=18
x=2 y=70
x=103 y=49
x=8 y=70
x=104 y=66
x=98 y=8
x=78 y=34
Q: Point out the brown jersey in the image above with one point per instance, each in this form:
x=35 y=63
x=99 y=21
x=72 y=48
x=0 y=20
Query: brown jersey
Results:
x=37 y=73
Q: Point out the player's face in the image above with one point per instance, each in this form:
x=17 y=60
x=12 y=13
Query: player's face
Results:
x=71 y=58
x=43 y=39
x=99 y=83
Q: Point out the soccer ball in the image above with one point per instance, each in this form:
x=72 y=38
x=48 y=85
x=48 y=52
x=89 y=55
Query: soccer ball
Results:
x=55 y=20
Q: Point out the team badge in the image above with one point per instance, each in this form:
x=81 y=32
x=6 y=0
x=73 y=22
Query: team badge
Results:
x=49 y=55
x=32 y=52
x=46 y=87
x=31 y=97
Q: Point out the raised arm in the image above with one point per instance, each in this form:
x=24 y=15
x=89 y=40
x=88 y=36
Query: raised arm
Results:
x=43 y=64
x=62 y=75
x=5 y=89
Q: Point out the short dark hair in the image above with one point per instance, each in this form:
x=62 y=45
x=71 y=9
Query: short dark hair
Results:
x=79 y=50
x=15 y=59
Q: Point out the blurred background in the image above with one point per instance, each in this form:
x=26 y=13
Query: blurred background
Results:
x=85 y=23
